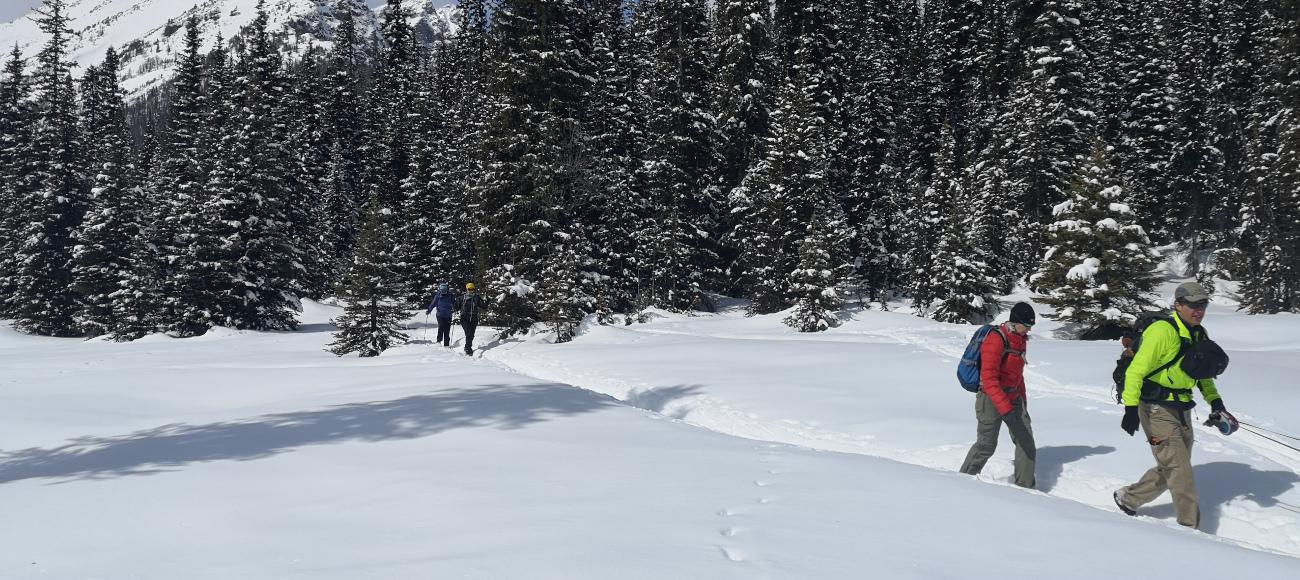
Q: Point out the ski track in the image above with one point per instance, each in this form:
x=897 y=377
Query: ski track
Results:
x=1240 y=522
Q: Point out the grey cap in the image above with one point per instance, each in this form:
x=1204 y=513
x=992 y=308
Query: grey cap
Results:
x=1191 y=292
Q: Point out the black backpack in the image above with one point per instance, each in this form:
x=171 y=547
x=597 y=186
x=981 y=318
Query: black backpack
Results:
x=1200 y=359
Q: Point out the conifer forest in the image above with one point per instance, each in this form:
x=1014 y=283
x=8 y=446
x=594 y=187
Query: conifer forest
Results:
x=580 y=157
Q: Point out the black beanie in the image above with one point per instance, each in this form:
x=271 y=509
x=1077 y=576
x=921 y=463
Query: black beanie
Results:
x=1023 y=313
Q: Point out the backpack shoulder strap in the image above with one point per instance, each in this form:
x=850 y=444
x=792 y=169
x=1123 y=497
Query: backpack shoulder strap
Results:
x=1182 y=349
x=1006 y=343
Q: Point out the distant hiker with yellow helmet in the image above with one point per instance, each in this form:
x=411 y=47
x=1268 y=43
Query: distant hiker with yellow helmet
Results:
x=471 y=306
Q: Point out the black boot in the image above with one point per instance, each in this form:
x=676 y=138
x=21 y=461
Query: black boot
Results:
x=1122 y=507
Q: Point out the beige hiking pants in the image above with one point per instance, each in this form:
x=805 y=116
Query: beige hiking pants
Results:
x=1171 y=444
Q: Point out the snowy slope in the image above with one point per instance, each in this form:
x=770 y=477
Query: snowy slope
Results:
x=260 y=455
x=149 y=33
x=883 y=385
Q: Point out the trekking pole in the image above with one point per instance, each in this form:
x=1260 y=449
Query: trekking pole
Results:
x=426 y=327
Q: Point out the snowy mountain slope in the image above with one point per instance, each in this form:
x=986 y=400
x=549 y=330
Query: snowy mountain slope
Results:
x=149 y=33
x=259 y=455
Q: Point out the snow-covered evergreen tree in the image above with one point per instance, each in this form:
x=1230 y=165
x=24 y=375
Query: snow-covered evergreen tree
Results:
x=927 y=219
x=101 y=258
x=537 y=170
x=678 y=254
x=16 y=171
x=44 y=300
x=873 y=56
x=962 y=283
x=344 y=192
x=177 y=188
x=1098 y=268
x=304 y=109
x=1271 y=209
x=744 y=87
x=612 y=215
x=1052 y=115
x=817 y=282
x=374 y=317
x=427 y=188
x=250 y=264
x=389 y=131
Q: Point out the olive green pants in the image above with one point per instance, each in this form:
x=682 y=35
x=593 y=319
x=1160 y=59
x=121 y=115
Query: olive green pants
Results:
x=1171 y=444
x=986 y=439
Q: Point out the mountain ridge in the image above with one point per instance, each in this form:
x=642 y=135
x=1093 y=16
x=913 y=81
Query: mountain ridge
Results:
x=147 y=32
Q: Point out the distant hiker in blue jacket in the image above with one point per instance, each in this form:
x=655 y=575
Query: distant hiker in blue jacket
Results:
x=445 y=304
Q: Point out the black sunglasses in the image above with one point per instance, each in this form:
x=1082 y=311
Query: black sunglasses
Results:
x=1202 y=305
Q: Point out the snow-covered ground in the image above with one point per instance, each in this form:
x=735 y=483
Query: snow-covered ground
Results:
x=710 y=447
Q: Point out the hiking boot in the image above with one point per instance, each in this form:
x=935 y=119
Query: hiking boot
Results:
x=1119 y=494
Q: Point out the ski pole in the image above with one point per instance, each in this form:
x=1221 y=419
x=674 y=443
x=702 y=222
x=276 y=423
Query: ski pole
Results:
x=426 y=327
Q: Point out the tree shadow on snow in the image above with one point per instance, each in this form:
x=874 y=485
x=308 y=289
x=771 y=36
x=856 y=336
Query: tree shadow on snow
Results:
x=1223 y=481
x=656 y=400
x=172 y=446
x=1051 y=462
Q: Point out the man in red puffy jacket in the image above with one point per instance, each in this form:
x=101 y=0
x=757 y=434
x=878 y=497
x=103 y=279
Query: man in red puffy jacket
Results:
x=1002 y=397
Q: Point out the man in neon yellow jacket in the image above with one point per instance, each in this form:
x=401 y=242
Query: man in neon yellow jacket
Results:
x=1158 y=397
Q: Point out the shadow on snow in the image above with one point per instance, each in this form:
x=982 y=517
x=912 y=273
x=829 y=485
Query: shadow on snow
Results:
x=177 y=445
x=1223 y=481
x=1051 y=462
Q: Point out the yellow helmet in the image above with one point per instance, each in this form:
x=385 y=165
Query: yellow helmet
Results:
x=469 y=286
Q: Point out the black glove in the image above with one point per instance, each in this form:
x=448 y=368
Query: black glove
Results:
x=1217 y=406
x=1130 y=423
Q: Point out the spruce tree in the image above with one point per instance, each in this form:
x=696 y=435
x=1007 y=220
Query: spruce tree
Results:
x=744 y=87
x=101 y=259
x=928 y=218
x=305 y=110
x=373 y=320
x=426 y=188
x=389 y=130
x=1098 y=267
x=1052 y=115
x=45 y=302
x=1271 y=210
x=537 y=168
x=1146 y=124
x=817 y=282
x=870 y=108
x=178 y=188
x=253 y=267
x=678 y=252
x=964 y=287
x=344 y=193
x=138 y=307
x=16 y=171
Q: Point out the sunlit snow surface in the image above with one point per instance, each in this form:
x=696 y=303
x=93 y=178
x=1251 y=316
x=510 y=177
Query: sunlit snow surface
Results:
x=712 y=447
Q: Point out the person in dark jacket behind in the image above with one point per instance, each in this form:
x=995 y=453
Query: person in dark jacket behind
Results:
x=471 y=307
x=445 y=304
x=1002 y=397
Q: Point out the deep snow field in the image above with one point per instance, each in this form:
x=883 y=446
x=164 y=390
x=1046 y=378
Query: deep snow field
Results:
x=707 y=447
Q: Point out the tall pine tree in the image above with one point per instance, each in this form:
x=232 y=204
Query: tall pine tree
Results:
x=1098 y=269
x=44 y=298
